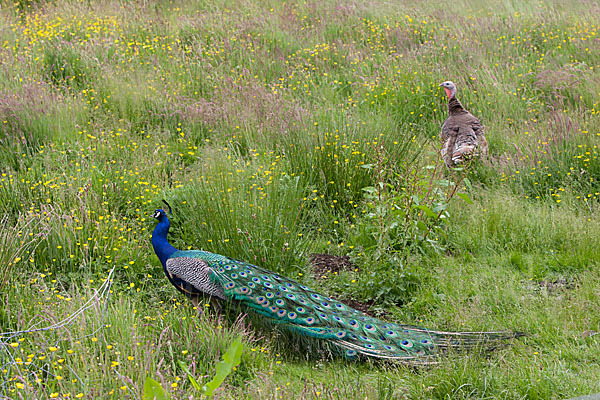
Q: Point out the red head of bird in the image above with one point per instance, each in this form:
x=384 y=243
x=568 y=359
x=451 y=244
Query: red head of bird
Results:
x=449 y=88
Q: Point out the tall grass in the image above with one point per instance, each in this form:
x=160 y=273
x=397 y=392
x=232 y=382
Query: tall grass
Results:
x=259 y=218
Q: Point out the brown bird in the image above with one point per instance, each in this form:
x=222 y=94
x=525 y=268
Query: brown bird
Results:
x=462 y=133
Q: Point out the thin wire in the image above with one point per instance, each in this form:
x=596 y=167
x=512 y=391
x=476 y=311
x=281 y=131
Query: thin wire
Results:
x=100 y=298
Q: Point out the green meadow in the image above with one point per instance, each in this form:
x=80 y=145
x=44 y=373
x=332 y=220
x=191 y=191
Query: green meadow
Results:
x=282 y=129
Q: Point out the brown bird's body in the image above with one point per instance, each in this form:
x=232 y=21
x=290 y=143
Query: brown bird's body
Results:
x=462 y=133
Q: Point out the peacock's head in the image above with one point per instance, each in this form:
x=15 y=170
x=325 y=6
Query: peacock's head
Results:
x=159 y=214
x=449 y=87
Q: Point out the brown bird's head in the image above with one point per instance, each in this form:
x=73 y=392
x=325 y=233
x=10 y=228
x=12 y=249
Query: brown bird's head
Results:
x=449 y=88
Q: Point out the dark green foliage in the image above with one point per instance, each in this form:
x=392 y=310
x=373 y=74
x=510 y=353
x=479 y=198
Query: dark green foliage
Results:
x=67 y=68
x=392 y=285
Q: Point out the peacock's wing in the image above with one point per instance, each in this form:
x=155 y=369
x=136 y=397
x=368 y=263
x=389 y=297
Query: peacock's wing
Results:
x=192 y=276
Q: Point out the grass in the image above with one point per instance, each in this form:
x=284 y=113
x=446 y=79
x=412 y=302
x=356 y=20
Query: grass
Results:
x=262 y=123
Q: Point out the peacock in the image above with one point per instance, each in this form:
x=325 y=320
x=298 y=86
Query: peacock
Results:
x=297 y=310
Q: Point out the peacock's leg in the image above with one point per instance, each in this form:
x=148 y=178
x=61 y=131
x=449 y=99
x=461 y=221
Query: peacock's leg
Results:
x=216 y=305
x=196 y=303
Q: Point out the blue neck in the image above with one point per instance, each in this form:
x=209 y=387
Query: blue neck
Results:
x=162 y=248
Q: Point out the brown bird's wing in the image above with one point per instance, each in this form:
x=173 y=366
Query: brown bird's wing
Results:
x=446 y=130
x=466 y=143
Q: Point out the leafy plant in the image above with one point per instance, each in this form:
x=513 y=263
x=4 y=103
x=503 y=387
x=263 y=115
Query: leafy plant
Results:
x=153 y=390
x=231 y=359
x=191 y=378
x=409 y=207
